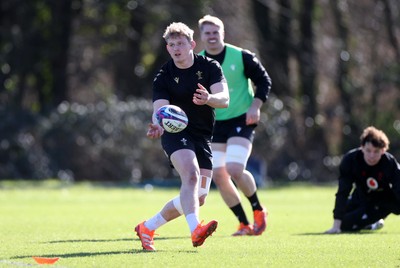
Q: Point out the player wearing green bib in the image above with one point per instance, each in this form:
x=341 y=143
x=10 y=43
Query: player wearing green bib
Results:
x=234 y=129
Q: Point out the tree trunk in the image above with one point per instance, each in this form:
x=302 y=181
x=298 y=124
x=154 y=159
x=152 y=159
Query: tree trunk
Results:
x=343 y=80
x=314 y=138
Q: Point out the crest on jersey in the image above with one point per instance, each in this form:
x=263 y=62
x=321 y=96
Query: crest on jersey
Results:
x=199 y=75
x=372 y=183
x=184 y=141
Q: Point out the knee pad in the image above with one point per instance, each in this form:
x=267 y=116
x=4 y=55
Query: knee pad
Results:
x=177 y=204
x=218 y=159
x=237 y=154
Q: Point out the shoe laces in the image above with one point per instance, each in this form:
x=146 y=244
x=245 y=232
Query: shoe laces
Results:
x=198 y=227
x=259 y=214
x=148 y=239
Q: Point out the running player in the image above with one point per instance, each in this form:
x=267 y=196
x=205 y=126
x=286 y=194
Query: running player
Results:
x=197 y=85
x=234 y=128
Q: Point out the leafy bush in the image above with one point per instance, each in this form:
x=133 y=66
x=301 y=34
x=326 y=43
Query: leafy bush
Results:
x=104 y=141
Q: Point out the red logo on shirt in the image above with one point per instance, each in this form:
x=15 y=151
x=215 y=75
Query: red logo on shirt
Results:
x=372 y=184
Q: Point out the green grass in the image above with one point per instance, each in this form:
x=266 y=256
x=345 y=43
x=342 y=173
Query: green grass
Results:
x=90 y=226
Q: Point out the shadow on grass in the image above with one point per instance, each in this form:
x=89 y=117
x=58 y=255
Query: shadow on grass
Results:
x=78 y=255
x=108 y=240
x=343 y=233
x=93 y=254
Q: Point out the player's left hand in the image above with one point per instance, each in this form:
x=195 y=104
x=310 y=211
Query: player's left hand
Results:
x=201 y=96
x=252 y=116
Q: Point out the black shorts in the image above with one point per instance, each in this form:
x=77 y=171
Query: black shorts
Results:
x=200 y=145
x=235 y=127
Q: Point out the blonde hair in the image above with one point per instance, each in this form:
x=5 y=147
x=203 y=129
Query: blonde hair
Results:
x=208 y=19
x=177 y=29
x=376 y=137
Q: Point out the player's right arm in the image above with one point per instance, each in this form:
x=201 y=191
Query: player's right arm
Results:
x=155 y=130
x=344 y=188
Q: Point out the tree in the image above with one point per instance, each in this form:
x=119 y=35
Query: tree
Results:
x=35 y=46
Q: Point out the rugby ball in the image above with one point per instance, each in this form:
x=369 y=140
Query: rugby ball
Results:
x=172 y=118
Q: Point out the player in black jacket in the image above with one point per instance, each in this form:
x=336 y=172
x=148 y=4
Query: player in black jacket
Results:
x=369 y=185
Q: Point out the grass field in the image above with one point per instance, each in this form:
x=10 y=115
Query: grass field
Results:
x=92 y=226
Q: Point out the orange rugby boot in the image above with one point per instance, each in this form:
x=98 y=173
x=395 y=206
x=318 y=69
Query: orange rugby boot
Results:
x=243 y=230
x=146 y=237
x=201 y=232
x=260 y=221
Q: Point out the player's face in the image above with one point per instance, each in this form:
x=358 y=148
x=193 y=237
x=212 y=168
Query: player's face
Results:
x=212 y=37
x=372 y=154
x=180 y=49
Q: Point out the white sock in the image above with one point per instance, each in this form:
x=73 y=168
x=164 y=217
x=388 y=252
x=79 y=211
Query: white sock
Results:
x=155 y=222
x=192 y=221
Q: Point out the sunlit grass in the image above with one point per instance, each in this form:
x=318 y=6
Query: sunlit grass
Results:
x=92 y=226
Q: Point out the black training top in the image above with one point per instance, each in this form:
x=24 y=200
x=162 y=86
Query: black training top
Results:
x=372 y=183
x=178 y=86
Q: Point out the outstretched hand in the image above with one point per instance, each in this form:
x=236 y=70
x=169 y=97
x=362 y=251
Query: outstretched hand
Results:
x=154 y=131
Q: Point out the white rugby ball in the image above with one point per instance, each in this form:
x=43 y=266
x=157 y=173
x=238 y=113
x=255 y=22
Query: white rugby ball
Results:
x=172 y=118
